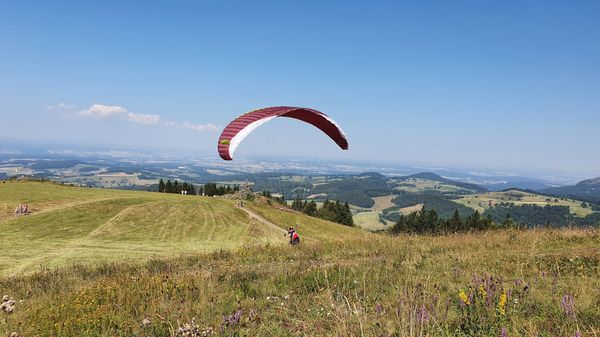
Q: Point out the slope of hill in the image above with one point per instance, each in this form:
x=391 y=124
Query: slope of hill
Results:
x=162 y=264
x=71 y=224
x=587 y=190
x=454 y=285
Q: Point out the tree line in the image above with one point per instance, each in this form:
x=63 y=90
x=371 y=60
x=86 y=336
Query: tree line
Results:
x=548 y=215
x=209 y=189
x=333 y=211
x=429 y=222
x=176 y=187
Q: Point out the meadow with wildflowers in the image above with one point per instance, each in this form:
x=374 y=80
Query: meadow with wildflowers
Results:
x=340 y=281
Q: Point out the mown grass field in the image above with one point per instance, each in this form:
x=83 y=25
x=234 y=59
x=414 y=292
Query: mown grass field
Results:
x=71 y=225
x=339 y=281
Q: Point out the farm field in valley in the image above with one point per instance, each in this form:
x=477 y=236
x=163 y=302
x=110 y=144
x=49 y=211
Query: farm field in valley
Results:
x=480 y=202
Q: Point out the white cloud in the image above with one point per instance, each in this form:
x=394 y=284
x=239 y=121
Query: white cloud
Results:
x=199 y=127
x=110 y=111
x=191 y=126
x=60 y=106
x=143 y=118
x=101 y=110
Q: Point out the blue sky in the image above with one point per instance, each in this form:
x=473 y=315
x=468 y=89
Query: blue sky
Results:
x=511 y=85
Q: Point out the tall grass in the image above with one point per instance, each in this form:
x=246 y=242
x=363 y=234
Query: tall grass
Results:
x=513 y=283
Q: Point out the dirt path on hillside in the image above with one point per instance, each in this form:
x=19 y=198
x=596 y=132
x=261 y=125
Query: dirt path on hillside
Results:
x=253 y=215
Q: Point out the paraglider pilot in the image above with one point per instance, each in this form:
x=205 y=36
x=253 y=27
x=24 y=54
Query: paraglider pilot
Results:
x=294 y=237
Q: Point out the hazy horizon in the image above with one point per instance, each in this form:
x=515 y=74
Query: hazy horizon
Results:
x=505 y=86
x=20 y=149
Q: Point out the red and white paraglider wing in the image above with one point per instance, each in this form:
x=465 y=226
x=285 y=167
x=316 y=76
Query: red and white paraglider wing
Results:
x=235 y=132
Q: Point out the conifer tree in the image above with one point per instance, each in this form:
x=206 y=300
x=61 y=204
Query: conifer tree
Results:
x=347 y=215
x=311 y=208
x=455 y=222
x=508 y=221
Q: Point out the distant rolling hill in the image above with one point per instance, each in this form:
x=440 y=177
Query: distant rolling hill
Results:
x=355 y=189
x=519 y=183
x=359 y=190
x=434 y=177
x=518 y=197
x=587 y=190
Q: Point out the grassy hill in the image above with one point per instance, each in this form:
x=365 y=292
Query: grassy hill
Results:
x=154 y=263
x=72 y=225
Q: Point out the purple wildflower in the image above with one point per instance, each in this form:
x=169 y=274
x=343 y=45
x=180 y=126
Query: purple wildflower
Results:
x=422 y=315
x=568 y=305
x=503 y=332
x=577 y=333
x=233 y=319
x=378 y=308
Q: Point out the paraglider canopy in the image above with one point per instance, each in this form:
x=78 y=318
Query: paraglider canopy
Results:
x=235 y=132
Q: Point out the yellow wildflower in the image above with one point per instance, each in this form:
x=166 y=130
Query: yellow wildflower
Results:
x=502 y=303
x=482 y=291
x=463 y=297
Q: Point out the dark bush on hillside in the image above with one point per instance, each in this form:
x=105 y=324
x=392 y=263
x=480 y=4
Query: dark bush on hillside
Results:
x=330 y=210
x=444 y=207
x=358 y=198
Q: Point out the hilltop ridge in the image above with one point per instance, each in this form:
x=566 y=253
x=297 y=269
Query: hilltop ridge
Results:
x=586 y=190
